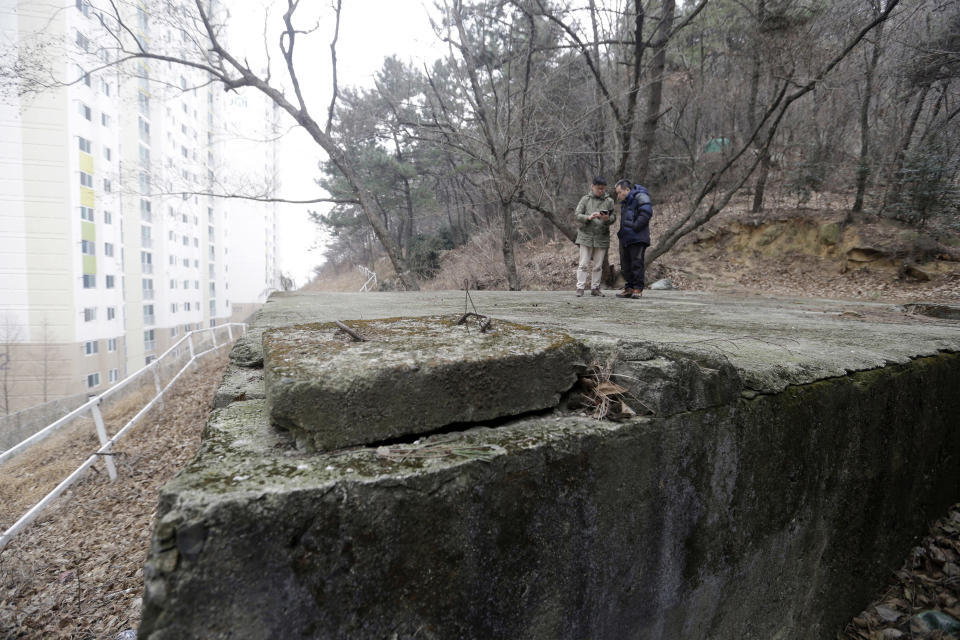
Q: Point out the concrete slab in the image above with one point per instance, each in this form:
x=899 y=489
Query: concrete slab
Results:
x=792 y=451
x=409 y=376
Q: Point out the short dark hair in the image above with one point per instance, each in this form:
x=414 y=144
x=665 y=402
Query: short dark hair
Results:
x=600 y=180
x=623 y=183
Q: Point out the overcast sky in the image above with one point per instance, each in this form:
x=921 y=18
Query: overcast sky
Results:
x=370 y=30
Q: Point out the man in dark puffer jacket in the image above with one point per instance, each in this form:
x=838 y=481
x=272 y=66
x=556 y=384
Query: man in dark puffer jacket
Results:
x=634 y=234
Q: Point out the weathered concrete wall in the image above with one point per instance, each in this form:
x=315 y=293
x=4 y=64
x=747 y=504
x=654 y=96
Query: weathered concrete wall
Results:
x=765 y=498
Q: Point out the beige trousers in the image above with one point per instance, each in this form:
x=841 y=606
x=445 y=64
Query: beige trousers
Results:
x=591 y=261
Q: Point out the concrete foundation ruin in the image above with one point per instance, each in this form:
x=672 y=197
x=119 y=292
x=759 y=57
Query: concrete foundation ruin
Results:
x=782 y=455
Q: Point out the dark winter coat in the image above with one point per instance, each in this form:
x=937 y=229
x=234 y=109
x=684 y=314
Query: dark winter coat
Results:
x=635 y=212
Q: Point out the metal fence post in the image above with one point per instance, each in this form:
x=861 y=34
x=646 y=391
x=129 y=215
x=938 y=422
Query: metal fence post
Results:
x=102 y=434
x=213 y=336
x=156 y=381
x=229 y=333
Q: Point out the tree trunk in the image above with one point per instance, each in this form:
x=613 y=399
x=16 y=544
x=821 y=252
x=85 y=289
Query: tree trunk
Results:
x=863 y=167
x=655 y=99
x=895 y=179
x=600 y=125
x=626 y=123
x=509 y=259
x=761 y=185
x=757 y=55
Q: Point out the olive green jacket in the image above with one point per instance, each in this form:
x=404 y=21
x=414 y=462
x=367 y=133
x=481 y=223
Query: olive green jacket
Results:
x=596 y=232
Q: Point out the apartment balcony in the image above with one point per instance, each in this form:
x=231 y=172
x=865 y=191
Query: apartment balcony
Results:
x=148 y=293
x=146 y=243
x=151 y=319
x=149 y=345
x=147 y=267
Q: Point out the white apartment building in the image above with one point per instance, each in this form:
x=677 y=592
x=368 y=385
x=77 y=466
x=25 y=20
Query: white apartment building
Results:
x=111 y=250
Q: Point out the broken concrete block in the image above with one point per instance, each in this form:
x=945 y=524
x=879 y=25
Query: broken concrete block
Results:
x=409 y=376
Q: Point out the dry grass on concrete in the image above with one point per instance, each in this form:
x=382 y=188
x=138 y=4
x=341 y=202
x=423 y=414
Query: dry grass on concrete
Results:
x=77 y=571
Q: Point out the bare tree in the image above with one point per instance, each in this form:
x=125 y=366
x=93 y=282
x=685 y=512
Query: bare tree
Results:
x=764 y=131
x=202 y=46
x=11 y=333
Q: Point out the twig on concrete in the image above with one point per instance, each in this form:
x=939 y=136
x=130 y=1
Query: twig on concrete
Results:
x=353 y=334
x=484 y=322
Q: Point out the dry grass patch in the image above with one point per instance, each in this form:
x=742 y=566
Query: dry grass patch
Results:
x=77 y=572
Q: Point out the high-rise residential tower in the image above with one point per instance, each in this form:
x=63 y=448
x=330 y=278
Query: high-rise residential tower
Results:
x=111 y=247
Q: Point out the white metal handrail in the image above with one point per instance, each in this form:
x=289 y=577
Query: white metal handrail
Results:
x=93 y=405
x=372 y=277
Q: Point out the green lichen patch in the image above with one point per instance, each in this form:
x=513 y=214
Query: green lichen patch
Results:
x=408 y=376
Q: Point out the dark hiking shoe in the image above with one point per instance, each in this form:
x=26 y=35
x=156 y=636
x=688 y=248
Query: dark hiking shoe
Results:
x=579 y=293
x=596 y=292
x=626 y=293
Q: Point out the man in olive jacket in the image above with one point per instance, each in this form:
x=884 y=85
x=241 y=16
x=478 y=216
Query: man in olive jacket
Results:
x=595 y=215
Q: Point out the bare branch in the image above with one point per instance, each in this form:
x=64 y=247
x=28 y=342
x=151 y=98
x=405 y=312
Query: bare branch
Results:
x=333 y=62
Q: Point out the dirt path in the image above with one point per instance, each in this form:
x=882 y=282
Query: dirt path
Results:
x=77 y=572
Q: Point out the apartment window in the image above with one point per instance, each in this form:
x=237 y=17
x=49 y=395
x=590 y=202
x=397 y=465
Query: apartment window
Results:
x=86 y=112
x=146 y=213
x=93 y=380
x=112 y=344
x=83 y=7
x=145 y=238
x=171 y=235
x=174 y=331
x=186 y=241
x=146 y=262
x=83 y=42
x=86 y=180
x=210 y=233
x=89 y=314
x=186 y=284
x=144 y=182
x=89 y=281
x=111 y=313
x=213 y=289
x=213 y=253
x=106 y=185
x=183 y=151
x=196 y=264
x=173 y=260
x=106 y=153
x=114 y=375
x=148 y=316
x=91 y=347
x=86 y=213
x=213 y=308
x=143 y=102
x=173 y=284
x=85 y=145
x=196 y=242
x=88 y=247
x=107 y=217
x=149 y=340
x=210 y=268
x=186 y=262
x=144 y=156
x=104 y=87
x=108 y=249
x=110 y=282
x=144 y=128
x=173 y=307
x=186 y=306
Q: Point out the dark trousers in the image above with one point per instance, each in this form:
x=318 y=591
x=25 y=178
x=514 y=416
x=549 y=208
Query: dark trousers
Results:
x=631 y=265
